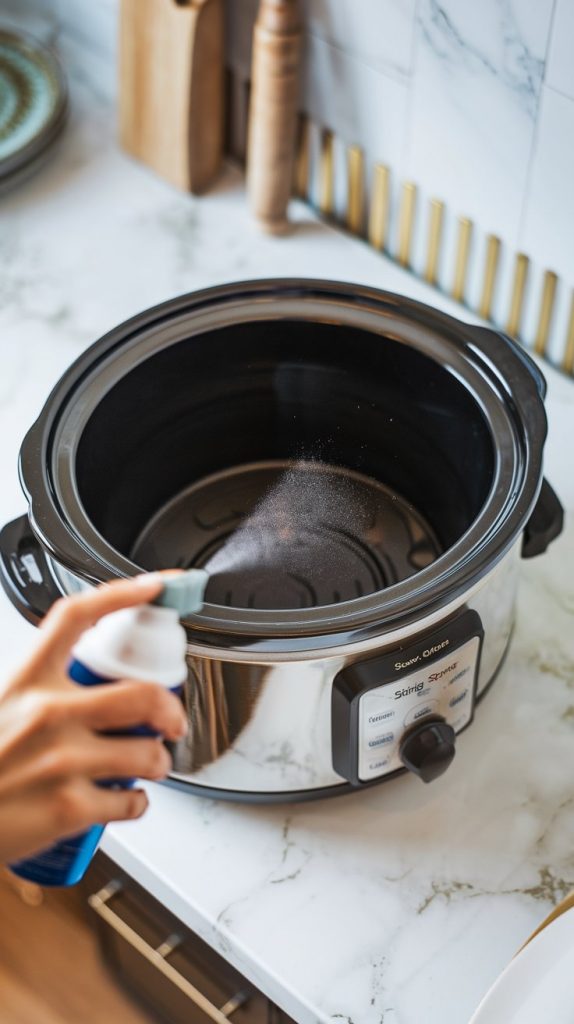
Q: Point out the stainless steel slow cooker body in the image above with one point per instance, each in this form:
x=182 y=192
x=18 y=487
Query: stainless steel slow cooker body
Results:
x=287 y=702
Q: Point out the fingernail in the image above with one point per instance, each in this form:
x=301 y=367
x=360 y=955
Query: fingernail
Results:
x=168 y=764
x=142 y=803
x=183 y=728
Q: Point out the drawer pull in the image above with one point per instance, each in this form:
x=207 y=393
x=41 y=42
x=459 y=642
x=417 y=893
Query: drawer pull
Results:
x=99 y=902
x=169 y=945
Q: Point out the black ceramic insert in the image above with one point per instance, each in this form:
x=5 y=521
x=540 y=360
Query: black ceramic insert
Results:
x=282 y=391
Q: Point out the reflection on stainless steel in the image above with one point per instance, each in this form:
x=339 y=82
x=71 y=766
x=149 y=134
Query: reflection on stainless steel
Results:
x=278 y=726
x=496 y=605
x=266 y=728
x=220 y=699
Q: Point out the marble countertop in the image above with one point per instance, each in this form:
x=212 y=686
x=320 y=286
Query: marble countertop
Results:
x=397 y=905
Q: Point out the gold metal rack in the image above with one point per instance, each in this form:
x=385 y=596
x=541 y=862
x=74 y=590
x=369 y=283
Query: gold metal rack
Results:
x=373 y=212
x=369 y=216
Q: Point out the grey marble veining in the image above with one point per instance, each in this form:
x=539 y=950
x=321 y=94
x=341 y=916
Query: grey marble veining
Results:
x=475 y=93
x=507 y=56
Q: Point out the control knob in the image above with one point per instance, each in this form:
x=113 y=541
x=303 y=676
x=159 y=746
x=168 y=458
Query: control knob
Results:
x=428 y=748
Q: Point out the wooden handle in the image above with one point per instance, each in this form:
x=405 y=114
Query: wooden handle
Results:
x=171 y=87
x=566 y=904
x=273 y=111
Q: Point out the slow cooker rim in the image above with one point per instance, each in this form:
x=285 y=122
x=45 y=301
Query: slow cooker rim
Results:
x=503 y=430
x=68 y=549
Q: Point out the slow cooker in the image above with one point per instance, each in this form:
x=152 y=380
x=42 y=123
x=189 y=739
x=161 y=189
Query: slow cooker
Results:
x=380 y=464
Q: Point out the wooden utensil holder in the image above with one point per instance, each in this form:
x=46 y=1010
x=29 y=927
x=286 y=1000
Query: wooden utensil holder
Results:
x=172 y=88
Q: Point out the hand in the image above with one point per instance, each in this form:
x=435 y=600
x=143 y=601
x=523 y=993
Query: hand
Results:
x=51 y=747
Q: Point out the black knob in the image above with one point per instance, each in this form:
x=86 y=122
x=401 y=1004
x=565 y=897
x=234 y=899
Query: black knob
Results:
x=428 y=748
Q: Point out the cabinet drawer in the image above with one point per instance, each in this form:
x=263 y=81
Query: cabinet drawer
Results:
x=163 y=964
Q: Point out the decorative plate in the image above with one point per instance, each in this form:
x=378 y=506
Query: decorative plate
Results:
x=538 y=984
x=32 y=100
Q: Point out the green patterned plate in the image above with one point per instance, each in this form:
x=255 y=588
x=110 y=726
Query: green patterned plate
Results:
x=32 y=100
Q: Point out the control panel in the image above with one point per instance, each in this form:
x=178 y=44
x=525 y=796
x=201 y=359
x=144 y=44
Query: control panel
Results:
x=404 y=709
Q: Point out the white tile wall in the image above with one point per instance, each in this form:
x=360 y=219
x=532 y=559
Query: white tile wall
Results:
x=239 y=18
x=94 y=22
x=381 y=37
x=377 y=32
x=448 y=94
x=361 y=105
x=474 y=101
x=560 y=64
x=548 y=228
x=475 y=90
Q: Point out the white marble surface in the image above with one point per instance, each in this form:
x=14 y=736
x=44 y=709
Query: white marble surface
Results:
x=394 y=906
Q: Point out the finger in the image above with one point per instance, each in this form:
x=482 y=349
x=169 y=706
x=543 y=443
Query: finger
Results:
x=134 y=758
x=31 y=822
x=126 y=758
x=106 y=757
x=78 y=803
x=89 y=757
x=117 y=804
x=127 y=704
x=39 y=711
x=71 y=616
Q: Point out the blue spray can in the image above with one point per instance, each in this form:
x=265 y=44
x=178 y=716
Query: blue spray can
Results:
x=148 y=643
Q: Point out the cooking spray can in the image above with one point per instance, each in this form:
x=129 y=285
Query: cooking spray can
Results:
x=148 y=643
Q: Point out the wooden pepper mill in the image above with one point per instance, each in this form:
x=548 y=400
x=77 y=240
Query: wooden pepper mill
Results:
x=273 y=111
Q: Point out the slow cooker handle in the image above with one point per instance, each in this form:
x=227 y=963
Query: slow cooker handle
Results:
x=502 y=350
x=24 y=571
x=545 y=524
x=547 y=518
x=26 y=577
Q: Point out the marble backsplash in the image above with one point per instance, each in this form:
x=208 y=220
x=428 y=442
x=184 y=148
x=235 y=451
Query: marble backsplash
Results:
x=474 y=103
